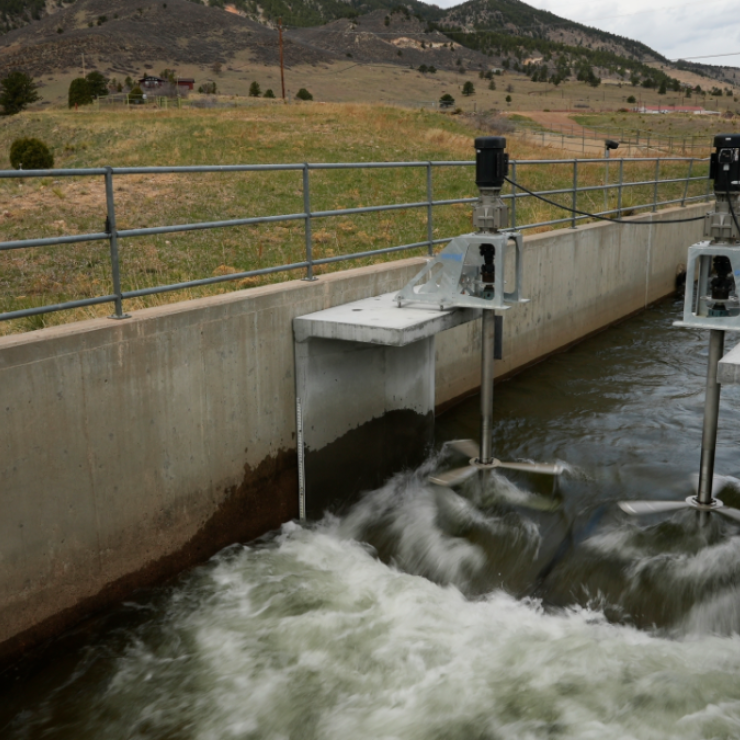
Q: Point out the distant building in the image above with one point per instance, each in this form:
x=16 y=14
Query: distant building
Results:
x=151 y=82
x=696 y=110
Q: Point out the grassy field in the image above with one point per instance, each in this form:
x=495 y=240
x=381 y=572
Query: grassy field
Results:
x=676 y=124
x=261 y=134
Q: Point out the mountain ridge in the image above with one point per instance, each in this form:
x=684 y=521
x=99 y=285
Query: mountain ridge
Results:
x=51 y=34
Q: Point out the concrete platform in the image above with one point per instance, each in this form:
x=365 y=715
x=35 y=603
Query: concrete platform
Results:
x=379 y=320
x=728 y=372
x=365 y=395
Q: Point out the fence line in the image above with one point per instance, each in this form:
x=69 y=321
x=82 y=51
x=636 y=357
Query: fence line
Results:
x=112 y=234
x=630 y=139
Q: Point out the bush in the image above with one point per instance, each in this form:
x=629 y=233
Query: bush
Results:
x=303 y=94
x=136 y=96
x=468 y=88
x=269 y=93
x=30 y=154
x=631 y=99
x=446 y=101
x=254 y=90
x=79 y=92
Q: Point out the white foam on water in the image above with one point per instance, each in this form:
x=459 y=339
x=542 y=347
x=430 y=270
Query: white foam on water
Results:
x=314 y=637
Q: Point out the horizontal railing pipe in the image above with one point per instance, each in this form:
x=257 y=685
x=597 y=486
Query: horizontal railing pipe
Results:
x=309 y=214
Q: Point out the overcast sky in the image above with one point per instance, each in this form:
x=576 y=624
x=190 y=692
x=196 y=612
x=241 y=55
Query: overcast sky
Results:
x=676 y=29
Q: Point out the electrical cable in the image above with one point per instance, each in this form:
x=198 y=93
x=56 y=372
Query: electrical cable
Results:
x=732 y=211
x=593 y=215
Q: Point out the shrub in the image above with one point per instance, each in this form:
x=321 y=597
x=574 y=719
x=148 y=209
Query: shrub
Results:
x=446 y=101
x=303 y=94
x=631 y=99
x=269 y=93
x=79 y=92
x=30 y=154
x=468 y=88
x=254 y=90
x=136 y=96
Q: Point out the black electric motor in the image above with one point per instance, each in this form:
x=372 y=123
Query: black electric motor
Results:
x=491 y=162
x=724 y=164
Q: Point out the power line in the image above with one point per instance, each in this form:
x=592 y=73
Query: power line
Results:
x=708 y=56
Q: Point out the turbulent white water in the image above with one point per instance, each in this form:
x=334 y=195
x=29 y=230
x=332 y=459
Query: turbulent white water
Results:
x=427 y=614
x=311 y=635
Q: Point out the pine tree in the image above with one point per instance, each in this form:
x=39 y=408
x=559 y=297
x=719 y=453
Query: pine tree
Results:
x=17 y=92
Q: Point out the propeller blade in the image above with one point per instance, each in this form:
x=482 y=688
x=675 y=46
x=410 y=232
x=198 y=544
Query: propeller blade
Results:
x=637 y=508
x=728 y=511
x=542 y=468
x=453 y=477
x=466 y=447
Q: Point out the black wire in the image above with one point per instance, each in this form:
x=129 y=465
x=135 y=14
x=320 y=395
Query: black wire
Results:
x=732 y=210
x=593 y=215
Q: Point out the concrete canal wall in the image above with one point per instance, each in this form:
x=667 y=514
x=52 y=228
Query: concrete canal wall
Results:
x=132 y=449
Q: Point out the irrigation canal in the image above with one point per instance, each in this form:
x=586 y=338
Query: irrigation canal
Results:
x=422 y=613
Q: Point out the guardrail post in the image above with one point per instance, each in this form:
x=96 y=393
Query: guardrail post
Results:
x=110 y=228
x=575 y=193
x=430 y=222
x=513 y=196
x=686 y=184
x=619 y=192
x=655 y=185
x=307 y=224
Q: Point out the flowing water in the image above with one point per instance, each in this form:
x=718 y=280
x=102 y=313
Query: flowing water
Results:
x=507 y=609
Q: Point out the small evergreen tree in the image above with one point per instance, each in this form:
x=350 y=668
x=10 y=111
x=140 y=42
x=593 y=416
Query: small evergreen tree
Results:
x=468 y=88
x=303 y=94
x=269 y=93
x=446 y=101
x=79 y=92
x=508 y=99
x=663 y=87
x=254 y=90
x=491 y=85
x=98 y=84
x=136 y=95
x=17 y=92
x=30 y=154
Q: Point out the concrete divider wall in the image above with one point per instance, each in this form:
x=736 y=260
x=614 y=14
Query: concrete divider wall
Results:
x=132 y=449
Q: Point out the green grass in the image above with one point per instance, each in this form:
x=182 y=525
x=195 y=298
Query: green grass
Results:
x=675 y=124
x=267 y=134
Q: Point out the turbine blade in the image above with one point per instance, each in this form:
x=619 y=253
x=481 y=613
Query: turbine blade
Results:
x=636 y=508
x=466 y=447
x=729 y=512
x=453 y=477
x=542 y=468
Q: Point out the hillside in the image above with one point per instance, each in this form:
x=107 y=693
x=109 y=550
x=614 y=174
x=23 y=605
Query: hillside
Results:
x=115 y=36
x=121 y=38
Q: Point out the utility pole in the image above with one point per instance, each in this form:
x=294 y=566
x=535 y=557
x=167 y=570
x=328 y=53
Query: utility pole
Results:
x=282 y=72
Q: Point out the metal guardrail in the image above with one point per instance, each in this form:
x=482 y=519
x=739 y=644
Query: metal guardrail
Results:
x=112 y=234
